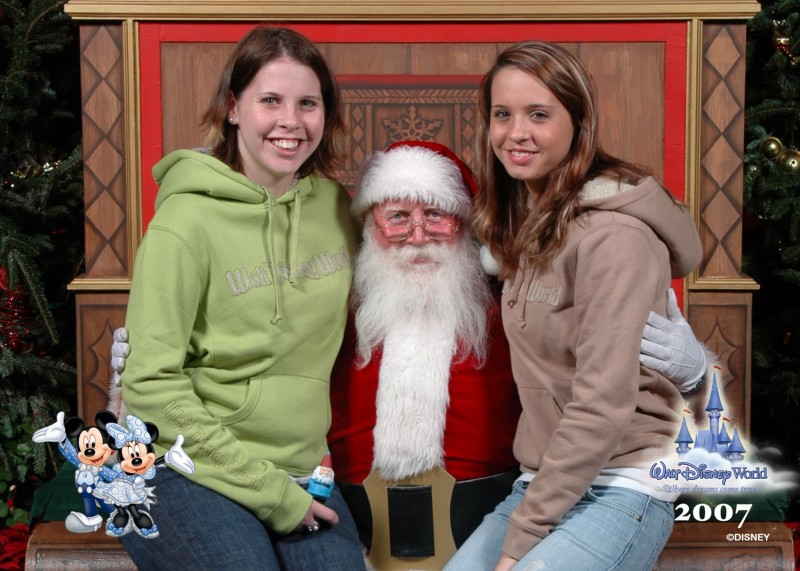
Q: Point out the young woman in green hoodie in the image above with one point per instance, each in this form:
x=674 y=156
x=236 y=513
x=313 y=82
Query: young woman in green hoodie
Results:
x=237 y=311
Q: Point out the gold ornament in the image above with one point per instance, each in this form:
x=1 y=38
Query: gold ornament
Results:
x=30 y=170
x=780 y=33
x=790 y=158
x=782 y=41
x=771 y=147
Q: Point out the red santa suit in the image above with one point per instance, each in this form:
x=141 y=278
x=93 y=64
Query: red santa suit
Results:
x=481 y=421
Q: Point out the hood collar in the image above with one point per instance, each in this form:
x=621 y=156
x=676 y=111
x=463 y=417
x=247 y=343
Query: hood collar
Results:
x=648 y=202
x=192 y=171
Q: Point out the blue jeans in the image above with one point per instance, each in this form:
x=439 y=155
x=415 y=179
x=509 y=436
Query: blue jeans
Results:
x=609 y=528
x=201 y=529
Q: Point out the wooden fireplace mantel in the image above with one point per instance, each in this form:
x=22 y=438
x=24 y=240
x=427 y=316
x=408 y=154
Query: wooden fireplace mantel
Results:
x=413 y=10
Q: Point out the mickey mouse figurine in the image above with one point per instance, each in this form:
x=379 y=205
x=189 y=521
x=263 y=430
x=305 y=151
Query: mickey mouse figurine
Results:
x=89 y=458
x=137 y=463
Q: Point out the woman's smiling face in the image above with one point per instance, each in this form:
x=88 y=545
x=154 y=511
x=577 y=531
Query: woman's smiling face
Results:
x=280 y=117
x=530 y=130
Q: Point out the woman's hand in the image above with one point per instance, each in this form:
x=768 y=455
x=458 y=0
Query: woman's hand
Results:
x=506 y=563
x=317 y=514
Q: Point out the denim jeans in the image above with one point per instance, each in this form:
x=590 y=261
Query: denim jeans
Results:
x=609 y=528
x=201 y=529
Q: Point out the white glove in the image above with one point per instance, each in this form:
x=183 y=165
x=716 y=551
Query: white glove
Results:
x=670 y=347
x=53 y=433
x=120 y=350
x=178 y=458
x=138 y=482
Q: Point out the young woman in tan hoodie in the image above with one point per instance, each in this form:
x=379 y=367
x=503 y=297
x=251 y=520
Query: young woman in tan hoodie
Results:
x=587 y=245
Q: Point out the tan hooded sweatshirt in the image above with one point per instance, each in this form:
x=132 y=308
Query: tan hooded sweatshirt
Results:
x=574 y=329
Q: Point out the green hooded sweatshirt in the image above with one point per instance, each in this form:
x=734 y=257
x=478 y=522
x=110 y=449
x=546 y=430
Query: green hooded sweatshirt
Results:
x=236 y=312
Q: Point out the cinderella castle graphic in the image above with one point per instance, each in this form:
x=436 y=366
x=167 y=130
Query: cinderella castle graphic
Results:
x=715 y=439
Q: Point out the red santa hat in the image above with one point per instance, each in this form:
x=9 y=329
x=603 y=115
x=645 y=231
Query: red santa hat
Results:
x=419 y=171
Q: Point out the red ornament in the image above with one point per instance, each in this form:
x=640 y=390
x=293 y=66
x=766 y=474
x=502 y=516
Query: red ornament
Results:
x=780 y=37
x=16 y=321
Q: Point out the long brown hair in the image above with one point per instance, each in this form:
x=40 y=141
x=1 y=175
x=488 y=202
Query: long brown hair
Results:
x=504 y=219
x=258 y=47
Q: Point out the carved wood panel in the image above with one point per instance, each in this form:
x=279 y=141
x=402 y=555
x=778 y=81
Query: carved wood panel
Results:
x=104 y=150
x=722 y=320
x=98 y=315
x=722 y=147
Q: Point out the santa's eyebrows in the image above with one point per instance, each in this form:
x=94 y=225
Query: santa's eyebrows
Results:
x=392 y=210
x=426 y=210
x=398 y=211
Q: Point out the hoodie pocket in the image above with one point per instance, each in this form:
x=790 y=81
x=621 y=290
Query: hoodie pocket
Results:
x=540 y=417
x=283 y=412
x=252 y=396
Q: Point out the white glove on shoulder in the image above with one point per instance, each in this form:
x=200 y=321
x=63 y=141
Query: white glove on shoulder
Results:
x=120 y=350
x=670 y=347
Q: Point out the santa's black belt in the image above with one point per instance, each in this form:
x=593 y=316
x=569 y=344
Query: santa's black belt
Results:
x=472 y=500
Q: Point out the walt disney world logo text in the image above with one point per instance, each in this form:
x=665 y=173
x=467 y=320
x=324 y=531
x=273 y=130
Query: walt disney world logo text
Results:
x=689 y=472
x=713 y=461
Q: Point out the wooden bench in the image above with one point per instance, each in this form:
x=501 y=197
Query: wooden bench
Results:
x=52 y=547
x=704 y=546
x=692 y=546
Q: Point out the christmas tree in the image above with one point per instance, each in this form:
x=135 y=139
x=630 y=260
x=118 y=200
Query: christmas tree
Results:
x=772 y=222
x=41 y=236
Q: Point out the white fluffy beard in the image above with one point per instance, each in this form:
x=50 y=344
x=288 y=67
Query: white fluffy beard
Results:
x=424 y=315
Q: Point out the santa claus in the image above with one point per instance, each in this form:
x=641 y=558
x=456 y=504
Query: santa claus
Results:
x=424 y=404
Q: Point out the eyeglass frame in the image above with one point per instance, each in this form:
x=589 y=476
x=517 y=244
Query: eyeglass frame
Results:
x=411 y=224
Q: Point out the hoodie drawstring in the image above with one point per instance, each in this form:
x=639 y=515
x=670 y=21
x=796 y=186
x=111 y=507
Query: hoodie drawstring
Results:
x=519 y=280
x=272 y=265
x=294 y=236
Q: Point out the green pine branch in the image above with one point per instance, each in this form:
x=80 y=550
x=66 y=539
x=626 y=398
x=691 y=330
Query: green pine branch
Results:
x=23 y=366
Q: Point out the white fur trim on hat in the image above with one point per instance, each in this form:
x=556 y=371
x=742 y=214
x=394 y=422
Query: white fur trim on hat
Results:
x=412 y=173
x=489 y=263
